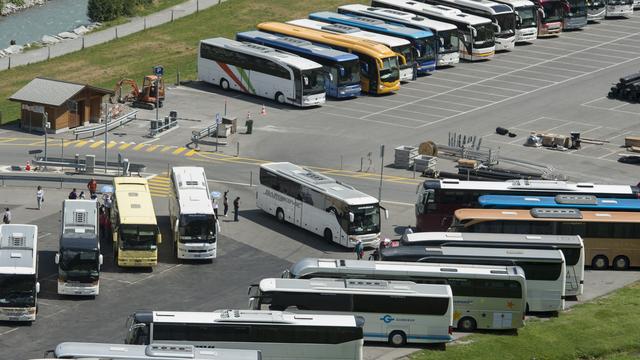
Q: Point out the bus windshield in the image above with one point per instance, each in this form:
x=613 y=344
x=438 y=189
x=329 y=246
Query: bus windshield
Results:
x=425 y=49
x=406 y=52
x=527 y=16
x=348 y=72
x=79 y=262
x=552 y=12
x=366 y=219
x=197 y=228
x=17 y=290
x=577 y=8
x=138 y=237
x=312 y=81
x=449 y=41
x=485 y=34
x=507 y=23
x=390 y=71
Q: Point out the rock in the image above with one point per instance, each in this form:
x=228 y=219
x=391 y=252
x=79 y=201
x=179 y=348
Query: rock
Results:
x=81 y=30
x=68 y=35
x=13 y=49
x=48 y=39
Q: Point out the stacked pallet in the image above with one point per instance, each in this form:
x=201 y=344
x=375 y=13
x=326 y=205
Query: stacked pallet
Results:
x=628 y=88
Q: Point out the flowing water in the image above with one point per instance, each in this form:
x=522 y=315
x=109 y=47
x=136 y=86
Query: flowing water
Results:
x=52 y=18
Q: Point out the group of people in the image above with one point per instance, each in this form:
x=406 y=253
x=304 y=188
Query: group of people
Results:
x=225 y=205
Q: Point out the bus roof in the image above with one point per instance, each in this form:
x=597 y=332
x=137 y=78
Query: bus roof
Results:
x=133 y=200
x=192 y=190
x=298 y=45
x=356 y=286
x=366 y=47
x=390 y=41
x=444 y=13
x=264 y=52
x=530 y=185
x=566 y=201
x=308 y=266
x=396 y=16
x=517 y=3
x=566 y=240
x=492 y=7
x=480 y=254
x=75 y=350
x=252 y=317
x=321 y=183
x=80 y=216
x=514 y=214
x=80 y=241
x=376 y=25
x=18 y=249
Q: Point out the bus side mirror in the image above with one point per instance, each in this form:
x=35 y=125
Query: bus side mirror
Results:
x=159 y=238
x=518 y=19
x=37 y=287
x=115 y=236
x=57 y=258
x=100 y=259
x=341 y=70
x=386 y=214
x=473 y=30
x=217 y=226
x=351 y=217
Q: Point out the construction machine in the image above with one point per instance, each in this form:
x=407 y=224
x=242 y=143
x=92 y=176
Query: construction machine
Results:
x=145 y=97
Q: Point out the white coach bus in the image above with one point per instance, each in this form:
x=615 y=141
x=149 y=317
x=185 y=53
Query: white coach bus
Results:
x=194 y=226
x=93 y=351
x=320 y=204
x=261 y=71
x=387 y=307
x=277 y=335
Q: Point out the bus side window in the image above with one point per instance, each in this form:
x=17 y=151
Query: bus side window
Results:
x=364 y=69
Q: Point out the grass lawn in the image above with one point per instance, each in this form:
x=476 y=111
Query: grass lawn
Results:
x=172 y=45
x=606 y=329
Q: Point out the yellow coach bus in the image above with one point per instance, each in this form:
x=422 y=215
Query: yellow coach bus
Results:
x=379 y=67
x=133 y=222
x=611 y=238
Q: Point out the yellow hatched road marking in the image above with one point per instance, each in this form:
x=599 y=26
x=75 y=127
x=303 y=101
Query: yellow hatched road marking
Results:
x=179 y=150
x=138 y=147
x=5 y=140
x=81 y=143
x=96 y=144
x=66 y=144
x=190 y=153
x=152 y=147
x=111 y=144
x=124 y=146
x=166 y=148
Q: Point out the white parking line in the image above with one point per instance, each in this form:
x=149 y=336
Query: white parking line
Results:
x=537 y=74
x=527 y=78
x=545 y=53
x=621 y=51
x=483 y=92
x=9 y=331
x=558 y=68
x=418 y=113
x=500 y=88
x=407 y=118
x=513 y=83
x=370 y=120
x=436 y=108
x=590 y=59
x=465 y=97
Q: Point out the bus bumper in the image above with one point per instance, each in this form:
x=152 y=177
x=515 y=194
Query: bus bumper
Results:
x=481 y=54
x=526 y=35
x=448 y=59
x=575 y=23
x=370 y=241
x=505 y=43
x=427 y=67
x=17 y=314
x=596 y=15
x=137 y=262
x=349 y=91
x=80 y=289
x=615 y=10
x=407 y=74
x=196 y=251
x=313 y=100
x=550 y=29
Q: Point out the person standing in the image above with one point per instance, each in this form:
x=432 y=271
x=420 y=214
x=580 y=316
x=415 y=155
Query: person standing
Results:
x=107 y=201
x=6 y=218
x=215 y=207
x=92 y=185
x=40 y=197
x=81 y=196
x=73 y=194
x=236 y=207
x=225 y=203
x=359 y=250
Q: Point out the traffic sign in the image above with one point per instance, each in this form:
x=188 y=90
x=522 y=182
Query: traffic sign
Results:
x=158 y=70
x=218 y=119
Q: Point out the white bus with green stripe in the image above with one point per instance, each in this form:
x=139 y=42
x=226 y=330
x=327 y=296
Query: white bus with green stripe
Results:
x=261 y=71
x=399 y=312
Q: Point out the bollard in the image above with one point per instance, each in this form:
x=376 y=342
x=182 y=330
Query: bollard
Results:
x=9 y=63
x=60 y=183
x=116 y=32
x=83 y=43
x=361 y=163
x=145 y=24
x=251 y=179
x=237 y=149
x=340 y=162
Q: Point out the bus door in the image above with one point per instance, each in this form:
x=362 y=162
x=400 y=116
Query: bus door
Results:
x=572 y=281
x=297 y=213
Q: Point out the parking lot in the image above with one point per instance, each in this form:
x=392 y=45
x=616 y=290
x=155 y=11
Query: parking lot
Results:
x=553 y=85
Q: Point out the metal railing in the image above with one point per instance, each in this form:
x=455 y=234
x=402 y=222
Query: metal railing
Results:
x=80 y=164
x=209 y=131
x=100 y=128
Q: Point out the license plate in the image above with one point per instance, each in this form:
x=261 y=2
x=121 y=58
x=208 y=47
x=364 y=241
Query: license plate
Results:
x=14 y=318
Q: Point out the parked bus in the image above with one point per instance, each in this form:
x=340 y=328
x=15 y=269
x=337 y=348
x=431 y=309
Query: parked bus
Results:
x=19 y=286
x=610 y=238
x=544 y=269
x=341 y=69
x=484 y=297
x=93 y=351
x=319 y=204
x=575 y=16
x=194 y=226
x=385 y=306
x=616 y=8
x=502 y=16
x=476 y=34
x=262 y=71
x=277 y=335
x=572 y=248
x=596 y=9
x=586 y=202
x=402 y=48
x=136 y=235
x=526 y=19
x=79 y=258
x=379 y=71
x=550 y=17
x=423 y=44
x=447 y=43
x=438 y=199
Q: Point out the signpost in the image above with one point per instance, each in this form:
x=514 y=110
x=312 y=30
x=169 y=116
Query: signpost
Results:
x=158 y=70
x=381 y=169
x=45 y=122
x=218 y=122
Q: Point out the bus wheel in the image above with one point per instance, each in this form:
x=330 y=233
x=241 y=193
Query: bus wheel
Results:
x=467 y=324
x=600 y=262
x=224 y=84
x=397 y=338
x=621 y=263
x=280 y=215
x=280 y=98
x=328 y=236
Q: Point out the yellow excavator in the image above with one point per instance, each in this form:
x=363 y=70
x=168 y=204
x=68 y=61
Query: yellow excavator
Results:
x=145 y=97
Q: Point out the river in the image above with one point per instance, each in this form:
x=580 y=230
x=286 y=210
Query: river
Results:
x=52 y=18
